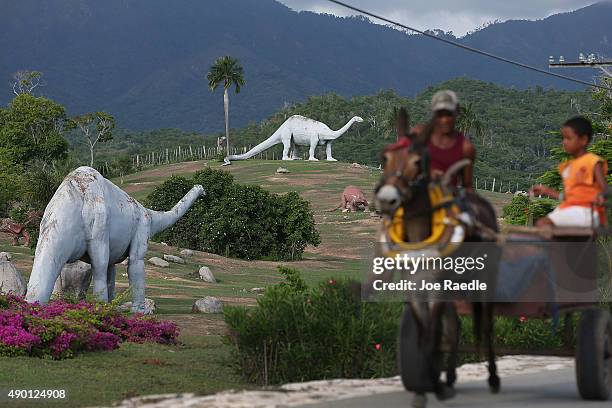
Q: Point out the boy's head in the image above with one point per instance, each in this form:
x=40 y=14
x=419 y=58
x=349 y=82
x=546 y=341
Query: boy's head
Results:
x=576 y=133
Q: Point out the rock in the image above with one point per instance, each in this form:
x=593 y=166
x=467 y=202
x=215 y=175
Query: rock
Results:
x=11 y=280
x=345 y=217
x=149 y=307
x=258 y=290
x=282 y=170
x=187 y=252
x=163 y=244
x=126 y=261
x=158 y=262
x=356 y=165
x=206 y=275
x=207 y=304
x=73 y=281
x=174 y=259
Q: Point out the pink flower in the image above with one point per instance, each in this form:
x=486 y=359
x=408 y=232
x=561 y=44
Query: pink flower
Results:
x=522 y=319
x=378 y=346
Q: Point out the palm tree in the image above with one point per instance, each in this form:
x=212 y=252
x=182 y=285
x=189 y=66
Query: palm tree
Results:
x=226 y=70
x=469 y=122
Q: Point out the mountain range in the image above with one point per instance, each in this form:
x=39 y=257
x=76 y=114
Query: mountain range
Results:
x=145 y=61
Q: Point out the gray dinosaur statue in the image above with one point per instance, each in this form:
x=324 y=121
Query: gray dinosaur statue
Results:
x=299 y=131
x=91 y=219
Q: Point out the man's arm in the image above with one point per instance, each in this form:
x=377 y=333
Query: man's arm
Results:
x=469 y=152
x=602 y=183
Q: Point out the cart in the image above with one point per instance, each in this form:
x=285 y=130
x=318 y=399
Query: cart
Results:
x=420 y=361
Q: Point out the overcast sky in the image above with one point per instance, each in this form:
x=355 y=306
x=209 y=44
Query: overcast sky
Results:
x=459 y=16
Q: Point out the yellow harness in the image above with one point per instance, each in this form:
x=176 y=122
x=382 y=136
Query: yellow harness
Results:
x=446 y=230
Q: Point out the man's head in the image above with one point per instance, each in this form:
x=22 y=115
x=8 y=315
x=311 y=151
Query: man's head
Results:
x=576 y=133
x=445 y=106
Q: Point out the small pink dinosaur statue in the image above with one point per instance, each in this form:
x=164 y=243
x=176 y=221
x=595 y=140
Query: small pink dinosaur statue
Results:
x=353 y=199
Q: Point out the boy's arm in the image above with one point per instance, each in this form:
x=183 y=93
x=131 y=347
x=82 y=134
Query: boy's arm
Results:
x=602 y=183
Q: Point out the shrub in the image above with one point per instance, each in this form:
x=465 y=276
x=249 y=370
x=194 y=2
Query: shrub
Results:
x=517 y=212
x=236 y=220
x=61 y=329
x=297 y=333
x=294 y=326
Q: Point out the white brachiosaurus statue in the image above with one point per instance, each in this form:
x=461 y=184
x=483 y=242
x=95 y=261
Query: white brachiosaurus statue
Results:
x=91 y=219
x=299 y=131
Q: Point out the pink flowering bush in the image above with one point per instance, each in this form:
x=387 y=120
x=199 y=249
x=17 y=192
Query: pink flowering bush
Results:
x=61 y=328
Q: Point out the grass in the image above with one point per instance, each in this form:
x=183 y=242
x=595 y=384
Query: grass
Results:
x=202 y=363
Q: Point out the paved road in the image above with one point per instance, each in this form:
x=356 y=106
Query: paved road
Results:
x=552 y=389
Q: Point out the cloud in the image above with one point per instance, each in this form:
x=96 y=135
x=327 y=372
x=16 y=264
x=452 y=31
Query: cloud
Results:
x=449 y=15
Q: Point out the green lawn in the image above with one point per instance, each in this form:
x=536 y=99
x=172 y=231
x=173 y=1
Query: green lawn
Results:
x=201 y=364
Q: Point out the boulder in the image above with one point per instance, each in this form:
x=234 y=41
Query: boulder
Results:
x=158 y=262
x=149 y=306
x=186 y=252
x=258 y=290
x=174 y=259
x=206 y=275
x=282 y=170
x=207 y=304
x=11 y=280
x=73 y=281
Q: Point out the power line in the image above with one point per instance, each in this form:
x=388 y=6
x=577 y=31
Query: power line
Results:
x=468 y=48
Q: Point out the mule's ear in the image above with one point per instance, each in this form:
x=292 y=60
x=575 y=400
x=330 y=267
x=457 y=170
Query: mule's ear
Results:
x=422 y=132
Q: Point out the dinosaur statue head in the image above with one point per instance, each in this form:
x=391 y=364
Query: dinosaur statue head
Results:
x=357 y=119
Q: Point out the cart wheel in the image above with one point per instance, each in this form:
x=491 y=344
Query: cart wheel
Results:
x=414 y=357
x=594 y=355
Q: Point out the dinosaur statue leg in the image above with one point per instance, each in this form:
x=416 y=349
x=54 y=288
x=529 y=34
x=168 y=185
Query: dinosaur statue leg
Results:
x=286 y=146
x=26 y=236
x=311 y=151
x=110 y=282
x=294 y=152
x=136 y=272
x=328 y=152
x=98 y=251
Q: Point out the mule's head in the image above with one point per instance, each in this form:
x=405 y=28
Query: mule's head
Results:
x=404 y=171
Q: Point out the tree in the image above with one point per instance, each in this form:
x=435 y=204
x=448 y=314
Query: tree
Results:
x=95 y=127
x=226 y=70
x=468 y=122
x=32 y=128
x=24 y=82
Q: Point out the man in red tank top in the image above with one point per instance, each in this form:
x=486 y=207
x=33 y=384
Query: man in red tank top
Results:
x=447 y=145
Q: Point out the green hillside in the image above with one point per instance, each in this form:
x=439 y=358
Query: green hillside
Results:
x=515 y=145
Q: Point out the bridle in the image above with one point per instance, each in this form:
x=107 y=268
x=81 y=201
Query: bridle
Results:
x=411 y=185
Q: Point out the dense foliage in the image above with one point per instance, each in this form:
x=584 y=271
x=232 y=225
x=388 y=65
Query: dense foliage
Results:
x=236 y=220
x=61 y=329
x=519 y=210
x=294 y=325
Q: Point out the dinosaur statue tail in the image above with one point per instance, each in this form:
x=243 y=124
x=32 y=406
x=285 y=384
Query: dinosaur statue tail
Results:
x=266 y=144
x=335 y=208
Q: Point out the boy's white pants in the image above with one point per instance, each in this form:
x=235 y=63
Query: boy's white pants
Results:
x=574 y=216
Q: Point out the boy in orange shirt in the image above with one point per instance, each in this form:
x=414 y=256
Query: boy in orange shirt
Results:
x=584 y=181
